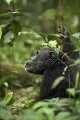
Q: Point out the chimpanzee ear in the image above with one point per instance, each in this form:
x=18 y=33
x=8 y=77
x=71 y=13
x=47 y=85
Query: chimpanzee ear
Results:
x=52 y=54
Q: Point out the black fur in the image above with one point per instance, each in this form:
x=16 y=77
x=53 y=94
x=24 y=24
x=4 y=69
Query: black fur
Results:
x=51 y=65
x=69 y=47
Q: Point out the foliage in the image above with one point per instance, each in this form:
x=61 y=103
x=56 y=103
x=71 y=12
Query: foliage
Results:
x=24 y=28
x=6 y=99
x=54 y=109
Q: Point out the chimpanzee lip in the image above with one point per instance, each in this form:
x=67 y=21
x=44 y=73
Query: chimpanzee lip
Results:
x=28 y=65
x=29 y=70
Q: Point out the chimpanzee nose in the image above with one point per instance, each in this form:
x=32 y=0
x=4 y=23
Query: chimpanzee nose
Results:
x=27 y=63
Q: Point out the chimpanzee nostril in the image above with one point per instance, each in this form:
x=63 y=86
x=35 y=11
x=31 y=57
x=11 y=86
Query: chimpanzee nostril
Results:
x=27 y=63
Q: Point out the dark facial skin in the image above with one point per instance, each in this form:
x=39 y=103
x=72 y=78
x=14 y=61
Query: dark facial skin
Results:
x=43 y=59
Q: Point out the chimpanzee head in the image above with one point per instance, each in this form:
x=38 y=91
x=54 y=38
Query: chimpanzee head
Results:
x=44 y=59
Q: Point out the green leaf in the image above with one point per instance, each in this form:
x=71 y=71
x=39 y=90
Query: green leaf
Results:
x=3 y=79
x=8 y=1
x=53 y=44
x=0 y=32
x=8 y=37
x=8 y=14
x=57 y=81
x=53 y=36
x=15 y=27
x=48 y=113
x=6 y=99
x=77 y=80
x=77 y=35
x=71 y=91
x=31 y=33
x=77 y=62
x=62 y=115
x=32 y=115
x=66 y=115
x=78 y=91
x=5 y=114
x=39 y=104
x=44 y=37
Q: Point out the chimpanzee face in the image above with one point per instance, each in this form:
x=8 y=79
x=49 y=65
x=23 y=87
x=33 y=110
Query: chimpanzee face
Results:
x=43 y=59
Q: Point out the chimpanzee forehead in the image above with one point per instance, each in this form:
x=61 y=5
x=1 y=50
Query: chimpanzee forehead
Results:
x=46 y=51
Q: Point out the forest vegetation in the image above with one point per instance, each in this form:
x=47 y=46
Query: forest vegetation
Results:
x=25 y=27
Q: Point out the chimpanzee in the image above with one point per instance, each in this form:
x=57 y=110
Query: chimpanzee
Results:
x=51 y=65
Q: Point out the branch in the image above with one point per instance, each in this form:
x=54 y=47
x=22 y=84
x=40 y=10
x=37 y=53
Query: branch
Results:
x=65 y=58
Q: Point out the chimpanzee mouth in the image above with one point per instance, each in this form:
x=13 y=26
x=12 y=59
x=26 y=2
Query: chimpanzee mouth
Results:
x=30 y=65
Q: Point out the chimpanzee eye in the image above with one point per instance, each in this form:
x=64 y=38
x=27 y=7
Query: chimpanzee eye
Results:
x=37 y=52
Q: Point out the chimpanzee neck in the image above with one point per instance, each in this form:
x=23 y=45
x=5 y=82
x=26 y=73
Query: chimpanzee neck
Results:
x=54 y=72
x=48 y=78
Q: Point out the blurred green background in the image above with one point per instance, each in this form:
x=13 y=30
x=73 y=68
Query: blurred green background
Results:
x=23 y=20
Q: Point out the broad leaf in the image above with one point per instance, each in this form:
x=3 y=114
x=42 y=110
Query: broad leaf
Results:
x=57 y=81
x=77 y=35
x=39 y=104
x=53 y=36
x=77 y=80
x=8 y=1
x=71 y=91
x=0 y=32
x=6 y=99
